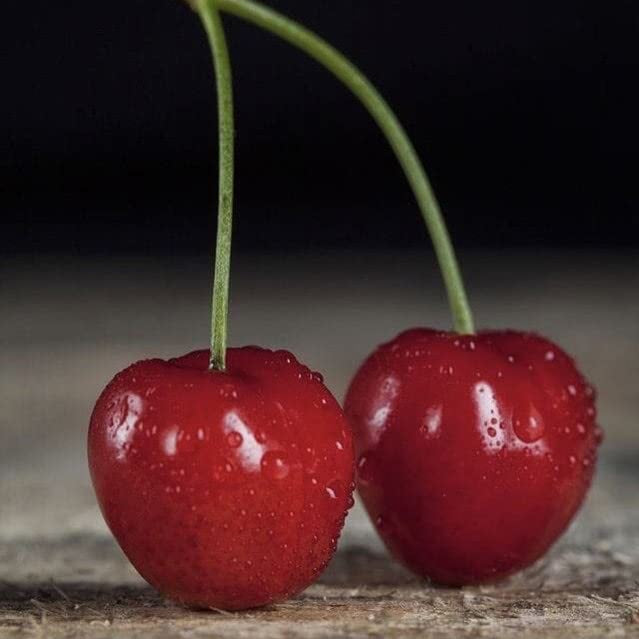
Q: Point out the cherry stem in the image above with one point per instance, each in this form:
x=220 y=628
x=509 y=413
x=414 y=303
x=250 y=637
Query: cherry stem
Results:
x=210 y=16
x=378 y=108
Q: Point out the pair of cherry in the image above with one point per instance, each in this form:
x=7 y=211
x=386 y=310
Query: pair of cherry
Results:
x=227 y=479
x=230 y=489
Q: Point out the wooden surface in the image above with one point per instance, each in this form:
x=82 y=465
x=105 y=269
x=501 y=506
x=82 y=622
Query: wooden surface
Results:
x=67 y=325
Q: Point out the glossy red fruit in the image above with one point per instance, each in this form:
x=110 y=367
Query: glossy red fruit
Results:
x=225 y=490
x=474 y=452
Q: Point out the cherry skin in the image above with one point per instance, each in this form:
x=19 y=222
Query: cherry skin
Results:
x=474 y=452
x=224 y=489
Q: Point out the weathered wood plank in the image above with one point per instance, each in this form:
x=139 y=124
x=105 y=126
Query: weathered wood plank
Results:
x=68 y=325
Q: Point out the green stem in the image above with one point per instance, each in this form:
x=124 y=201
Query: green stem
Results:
x=208 y=11
x=379 y=109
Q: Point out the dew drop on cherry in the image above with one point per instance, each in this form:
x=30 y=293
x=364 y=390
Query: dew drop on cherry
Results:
x=234 y=439
x=334 y=489
x=274 y=465
x=529 y=429
x=364 y=470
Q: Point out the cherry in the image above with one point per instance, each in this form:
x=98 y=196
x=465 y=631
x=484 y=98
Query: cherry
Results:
x=224 y=475
x=224 y=489
x=474 y=452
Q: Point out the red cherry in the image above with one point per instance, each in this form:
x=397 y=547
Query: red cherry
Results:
x=474 y=452
x=225 y=490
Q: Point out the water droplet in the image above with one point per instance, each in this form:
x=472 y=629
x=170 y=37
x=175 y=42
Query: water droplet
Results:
x=491 y=431
x=364 y=470
x=549 y=356
x=511 y=359
x=234 y=439
x=494 y=421
x=567 y=430
x=274 y=465
x=572 y=459
x=529 y=430
x=572 y=390
x=339 y=446
x=200 y=434
x=334 y=489
x=581 y=429
x=222 y=471
x=260 y=436
x=598 y=433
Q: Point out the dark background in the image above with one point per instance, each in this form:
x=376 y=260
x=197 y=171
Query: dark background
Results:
x=524 y=113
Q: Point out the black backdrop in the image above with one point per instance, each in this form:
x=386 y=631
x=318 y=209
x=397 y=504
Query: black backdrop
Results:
x=524 y=113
